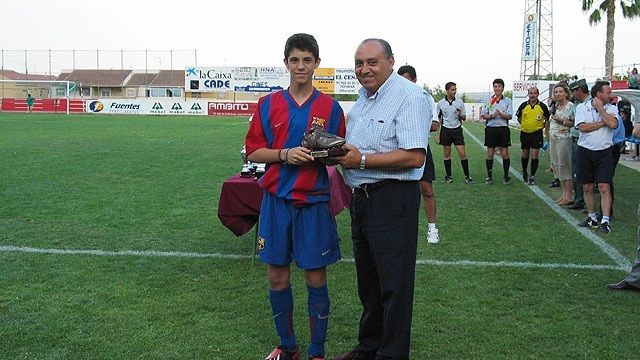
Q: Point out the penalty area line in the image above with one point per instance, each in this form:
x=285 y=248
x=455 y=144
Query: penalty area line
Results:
x=180 y=254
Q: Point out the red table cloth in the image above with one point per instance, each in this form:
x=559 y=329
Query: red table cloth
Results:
x=240 y=200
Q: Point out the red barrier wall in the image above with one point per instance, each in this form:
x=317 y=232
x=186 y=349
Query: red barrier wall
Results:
x=619 y=84
x=43 y=105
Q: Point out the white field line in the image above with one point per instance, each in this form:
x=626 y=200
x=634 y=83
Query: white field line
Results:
x=609 y=250
x=87 y=122
x=139 y=253
x=180 y=254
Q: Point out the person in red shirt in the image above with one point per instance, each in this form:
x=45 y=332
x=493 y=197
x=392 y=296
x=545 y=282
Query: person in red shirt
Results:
x=296 y=223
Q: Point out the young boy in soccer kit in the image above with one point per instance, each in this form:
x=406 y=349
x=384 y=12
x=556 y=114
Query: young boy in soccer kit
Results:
x=296 y=223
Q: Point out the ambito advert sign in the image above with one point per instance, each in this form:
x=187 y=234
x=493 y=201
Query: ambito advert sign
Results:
x=232 y=108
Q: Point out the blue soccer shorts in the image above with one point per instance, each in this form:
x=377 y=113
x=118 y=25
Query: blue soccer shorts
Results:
x=307 y=235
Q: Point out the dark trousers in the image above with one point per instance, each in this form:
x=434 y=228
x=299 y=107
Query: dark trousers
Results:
x=578 y=198
x=384 y=230
x=634 y=276
x=616 y=149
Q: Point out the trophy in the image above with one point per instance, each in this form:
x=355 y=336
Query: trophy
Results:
x=251 y=169
x=323 y=145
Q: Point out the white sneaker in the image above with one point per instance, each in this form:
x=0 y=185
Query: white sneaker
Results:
x=433 y=236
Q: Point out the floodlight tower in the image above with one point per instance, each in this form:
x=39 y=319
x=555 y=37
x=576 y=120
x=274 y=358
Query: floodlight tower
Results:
x=537 y=39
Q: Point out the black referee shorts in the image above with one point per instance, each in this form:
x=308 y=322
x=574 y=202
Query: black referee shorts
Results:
x=497 y=137
x=451 y=136
x=532 y=140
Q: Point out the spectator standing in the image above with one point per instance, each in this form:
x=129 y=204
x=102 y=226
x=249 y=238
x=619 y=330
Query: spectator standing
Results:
x=30 y=101
x=634 y=79
x=596 y=120
x=624 y=109
x=560 y=123
x=580 y=93
x=618 y=146
x=632 y=281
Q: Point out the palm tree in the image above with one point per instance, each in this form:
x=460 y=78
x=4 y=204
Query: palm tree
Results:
x=630 y=9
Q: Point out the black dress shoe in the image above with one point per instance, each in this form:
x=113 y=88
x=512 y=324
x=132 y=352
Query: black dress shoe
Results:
x=622 y=285
x=356 y=355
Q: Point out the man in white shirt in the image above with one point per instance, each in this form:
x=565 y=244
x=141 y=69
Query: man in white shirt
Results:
x=497 y=113
x=596 y=120
x=452 y=112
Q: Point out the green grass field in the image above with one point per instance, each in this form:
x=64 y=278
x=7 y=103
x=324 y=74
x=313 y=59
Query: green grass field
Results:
x=510 y=279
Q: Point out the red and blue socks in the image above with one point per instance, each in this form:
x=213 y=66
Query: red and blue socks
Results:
x=318 y=306
x=282 y=308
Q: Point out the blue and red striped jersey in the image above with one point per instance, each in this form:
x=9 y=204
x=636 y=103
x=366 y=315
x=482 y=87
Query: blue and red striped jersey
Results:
x=278 y=123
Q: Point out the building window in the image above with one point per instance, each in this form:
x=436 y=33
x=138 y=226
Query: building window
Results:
x=130 y=92
x=165 y=92
x=105 y=92
x=157 y=92
x=174 y=92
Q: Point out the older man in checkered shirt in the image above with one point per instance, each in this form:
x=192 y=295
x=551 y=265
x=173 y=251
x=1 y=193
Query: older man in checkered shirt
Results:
x=387 y=138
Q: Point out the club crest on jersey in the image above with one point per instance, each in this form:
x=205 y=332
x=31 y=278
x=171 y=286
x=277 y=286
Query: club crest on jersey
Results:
x=318 y=121
x=261 y=242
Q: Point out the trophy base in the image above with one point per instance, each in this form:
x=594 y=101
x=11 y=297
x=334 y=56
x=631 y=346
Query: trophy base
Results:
x=329 y=152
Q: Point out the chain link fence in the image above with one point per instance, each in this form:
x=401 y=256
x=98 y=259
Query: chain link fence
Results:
x=54 y=62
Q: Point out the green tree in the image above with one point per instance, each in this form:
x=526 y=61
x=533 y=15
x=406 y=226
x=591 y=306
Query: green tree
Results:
x=437 y=92
x=630 y=10
x=552 y=76
x=508 y=94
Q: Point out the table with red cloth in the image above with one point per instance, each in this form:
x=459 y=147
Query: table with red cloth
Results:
x=240 y=199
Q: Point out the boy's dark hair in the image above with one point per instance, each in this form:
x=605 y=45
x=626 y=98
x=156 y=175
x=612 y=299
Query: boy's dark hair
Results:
x=303 y=42
x=498 y=81
x=408 y=69
x=448 y=85
x=597 y=87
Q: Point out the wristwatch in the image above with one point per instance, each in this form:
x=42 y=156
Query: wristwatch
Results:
x=363 y=161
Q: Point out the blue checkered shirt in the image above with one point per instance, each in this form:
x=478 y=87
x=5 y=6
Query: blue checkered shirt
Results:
x=397 y=116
